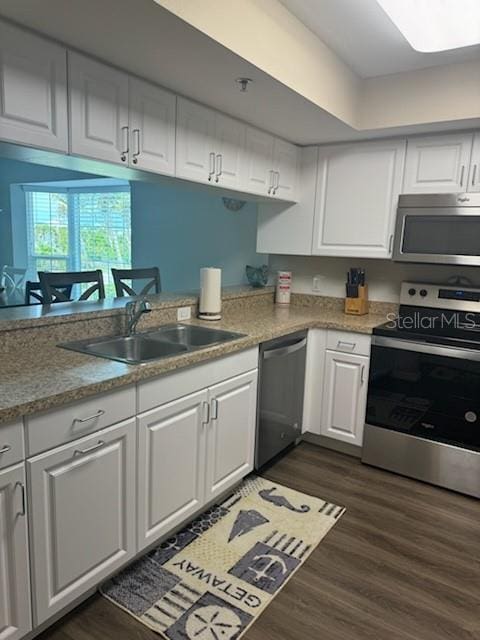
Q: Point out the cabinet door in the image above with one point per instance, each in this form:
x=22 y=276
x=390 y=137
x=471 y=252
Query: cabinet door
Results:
x=98 y=98
x=229 y=151
x=82 y=498
x=474 y=176
x=258 y=164
x=344 y=397
x=195 y=153
x=152 y=128
x=285 y=163
x=357 y=196
x=33 y=90
x=437 y=164
x=171 y=465
x=231 y=433
x=15 y=616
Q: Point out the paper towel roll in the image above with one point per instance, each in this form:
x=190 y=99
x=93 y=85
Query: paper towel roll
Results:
x=210 y=293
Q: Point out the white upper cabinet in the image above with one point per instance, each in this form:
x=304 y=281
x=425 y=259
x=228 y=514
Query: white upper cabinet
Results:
x=152 y=127
x=33 y=90
x=438 y=164
x=271 y=166
x=195 y=142
x=474 y=175
x=258 y=161
x=171 y=469
x=15 y=617
x=120 y=119
x=98 y=110
x=82 y=505
x=231 y=433
x=285 y=168
x=229 y=151
x=357 y=195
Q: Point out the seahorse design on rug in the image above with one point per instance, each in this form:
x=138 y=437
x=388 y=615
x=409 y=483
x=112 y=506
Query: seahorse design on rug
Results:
x=281 y=501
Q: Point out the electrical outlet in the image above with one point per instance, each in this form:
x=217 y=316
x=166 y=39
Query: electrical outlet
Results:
x=317 y=283
x=184 y=313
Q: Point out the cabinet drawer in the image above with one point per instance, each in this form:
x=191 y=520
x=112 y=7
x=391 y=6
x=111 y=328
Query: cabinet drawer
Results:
x=12 y=449
x=56 y=427
x=171 y=386
x=348 y=342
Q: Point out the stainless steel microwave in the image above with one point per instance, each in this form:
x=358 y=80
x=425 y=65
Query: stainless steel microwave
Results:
x=438 y=229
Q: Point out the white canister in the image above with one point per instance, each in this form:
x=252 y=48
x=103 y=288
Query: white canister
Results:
x=210 y=306
x=284 y=287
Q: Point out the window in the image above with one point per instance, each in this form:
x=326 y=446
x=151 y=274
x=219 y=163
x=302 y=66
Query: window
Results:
x=78 y=229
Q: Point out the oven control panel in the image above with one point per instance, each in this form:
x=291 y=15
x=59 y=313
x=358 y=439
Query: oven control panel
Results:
x=438 y=296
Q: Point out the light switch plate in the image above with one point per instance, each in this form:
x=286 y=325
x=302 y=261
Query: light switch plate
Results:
x=318 y=282
x=184 y=313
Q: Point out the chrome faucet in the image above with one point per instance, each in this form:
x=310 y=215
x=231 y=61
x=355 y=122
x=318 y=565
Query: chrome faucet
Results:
x=134 y=310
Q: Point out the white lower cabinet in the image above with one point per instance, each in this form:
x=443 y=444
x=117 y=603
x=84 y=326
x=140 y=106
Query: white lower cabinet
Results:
x=15 y=616
x=192 y=450
x=344 y=396
x=171 y=457
x=231 y=433
x=82 y=499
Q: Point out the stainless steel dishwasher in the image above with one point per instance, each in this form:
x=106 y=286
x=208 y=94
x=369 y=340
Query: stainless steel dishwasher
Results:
x=280 y=395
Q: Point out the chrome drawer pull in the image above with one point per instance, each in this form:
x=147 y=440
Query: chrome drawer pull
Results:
x=346 y=345
x=24 y=501
x=82 y=452
x=5 y=449
x=99 y=414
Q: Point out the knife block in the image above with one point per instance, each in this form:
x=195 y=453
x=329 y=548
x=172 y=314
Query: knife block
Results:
x=358 y=306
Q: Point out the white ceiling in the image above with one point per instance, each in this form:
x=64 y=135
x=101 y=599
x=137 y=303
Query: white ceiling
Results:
x=362 y=34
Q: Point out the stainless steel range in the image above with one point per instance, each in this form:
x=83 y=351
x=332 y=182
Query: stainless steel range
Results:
x=423 y=408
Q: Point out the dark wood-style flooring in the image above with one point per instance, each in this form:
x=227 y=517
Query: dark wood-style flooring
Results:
x=403 y=563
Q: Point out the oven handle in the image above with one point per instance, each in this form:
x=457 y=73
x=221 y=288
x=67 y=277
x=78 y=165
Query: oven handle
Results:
x=423 y=347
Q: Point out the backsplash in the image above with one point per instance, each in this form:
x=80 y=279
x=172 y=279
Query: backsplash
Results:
x=384 y=276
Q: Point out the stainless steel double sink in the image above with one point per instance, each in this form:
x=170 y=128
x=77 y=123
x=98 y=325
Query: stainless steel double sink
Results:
x=169 y=340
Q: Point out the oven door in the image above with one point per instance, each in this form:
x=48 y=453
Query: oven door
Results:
x=438 y=235
x=425 y=390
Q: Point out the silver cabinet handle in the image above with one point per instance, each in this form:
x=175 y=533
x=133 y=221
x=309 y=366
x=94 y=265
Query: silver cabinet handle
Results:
x=276 y=182
x=214 y=409
x=362 y=375
x=94 y=447
x=5 y=449
x=99 y=414
x=346 y=345
x=390 y=243
x=218 y=163
x=211 y=158
x=206 y=413
x=24 y=501
x=462 y=173
x=123 y=155
x=474 y=174
x=271 y=182
x=136 y=139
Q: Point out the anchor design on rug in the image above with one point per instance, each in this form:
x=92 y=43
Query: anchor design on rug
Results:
x=281 y=501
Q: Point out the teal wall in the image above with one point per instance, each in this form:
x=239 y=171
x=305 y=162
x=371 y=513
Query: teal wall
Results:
x=182 y=229
x=179 y=228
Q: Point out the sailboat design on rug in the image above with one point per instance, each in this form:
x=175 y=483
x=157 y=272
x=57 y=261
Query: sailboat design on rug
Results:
x=245 y=522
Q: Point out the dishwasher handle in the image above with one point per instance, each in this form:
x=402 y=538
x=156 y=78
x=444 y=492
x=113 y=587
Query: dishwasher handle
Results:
x=284 y=351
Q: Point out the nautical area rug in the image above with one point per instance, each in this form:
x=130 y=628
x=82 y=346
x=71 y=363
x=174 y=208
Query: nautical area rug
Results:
x=213 y=578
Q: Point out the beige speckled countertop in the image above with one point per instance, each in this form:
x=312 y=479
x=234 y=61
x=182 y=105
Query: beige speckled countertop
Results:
x=36 y=379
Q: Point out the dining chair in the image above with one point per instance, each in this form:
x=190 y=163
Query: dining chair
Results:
x=54 y=285
x=151 y=274
x=33 y=293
